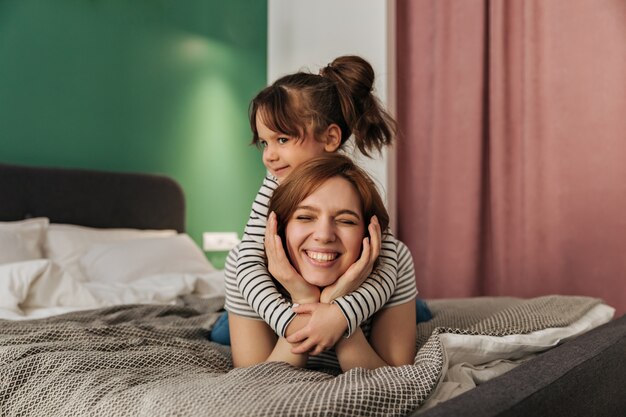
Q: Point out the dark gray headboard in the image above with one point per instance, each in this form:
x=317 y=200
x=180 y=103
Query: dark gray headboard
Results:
x=91 y=198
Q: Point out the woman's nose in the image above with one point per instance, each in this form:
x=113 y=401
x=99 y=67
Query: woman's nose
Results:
x=324 y=231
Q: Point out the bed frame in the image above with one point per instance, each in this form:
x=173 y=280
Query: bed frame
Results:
x=585 y=376
x=91 y=198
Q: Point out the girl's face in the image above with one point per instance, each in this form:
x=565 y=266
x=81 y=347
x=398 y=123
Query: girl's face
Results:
x=283 y=153
x=325 y=233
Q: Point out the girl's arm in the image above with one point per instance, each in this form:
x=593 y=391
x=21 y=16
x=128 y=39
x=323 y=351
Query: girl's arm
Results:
x=374 y=293
x=253 y=280
x=392 y=340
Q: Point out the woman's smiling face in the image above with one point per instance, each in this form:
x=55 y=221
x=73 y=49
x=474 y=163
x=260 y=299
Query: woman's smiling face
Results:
x=325 y=233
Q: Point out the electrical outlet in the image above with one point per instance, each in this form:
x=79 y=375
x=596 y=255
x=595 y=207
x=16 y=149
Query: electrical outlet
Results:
x=219 y=241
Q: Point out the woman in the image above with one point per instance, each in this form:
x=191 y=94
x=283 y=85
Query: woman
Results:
x=316 y=232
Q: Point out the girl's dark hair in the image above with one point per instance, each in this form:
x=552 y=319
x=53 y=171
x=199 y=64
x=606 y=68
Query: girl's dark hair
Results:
x=340 y=94
x=309 y=176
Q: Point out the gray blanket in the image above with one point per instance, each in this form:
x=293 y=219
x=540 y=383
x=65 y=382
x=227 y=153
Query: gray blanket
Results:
x=157 y=361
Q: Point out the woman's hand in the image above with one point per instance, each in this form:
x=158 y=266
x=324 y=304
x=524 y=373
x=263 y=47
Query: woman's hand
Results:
x=279 y=266
x=358 y=271
x=325 y=327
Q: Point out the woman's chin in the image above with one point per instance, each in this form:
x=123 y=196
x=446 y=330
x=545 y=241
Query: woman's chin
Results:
x=320 y=281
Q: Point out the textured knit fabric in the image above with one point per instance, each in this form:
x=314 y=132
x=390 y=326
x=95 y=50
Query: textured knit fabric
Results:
x=248 y=265
x=155 y=360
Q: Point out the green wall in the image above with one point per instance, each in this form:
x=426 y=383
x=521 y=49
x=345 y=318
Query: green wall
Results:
x=158 y=86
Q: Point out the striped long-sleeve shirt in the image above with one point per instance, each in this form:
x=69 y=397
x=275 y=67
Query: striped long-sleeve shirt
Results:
x=249 y=265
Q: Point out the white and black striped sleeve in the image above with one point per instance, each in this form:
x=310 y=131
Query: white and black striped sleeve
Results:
x=253 y=279
x=374 y=293
x=406 y=289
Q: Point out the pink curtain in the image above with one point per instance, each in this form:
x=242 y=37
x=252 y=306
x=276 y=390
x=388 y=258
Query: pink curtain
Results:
x=512 y=151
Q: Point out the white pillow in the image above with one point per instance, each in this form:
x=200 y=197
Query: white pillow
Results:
x=134 y=259
x=22 y=240
x=65 y=244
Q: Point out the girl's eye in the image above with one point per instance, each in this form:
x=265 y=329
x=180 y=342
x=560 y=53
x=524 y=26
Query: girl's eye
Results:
x=282 y=141
x=262 y=144
x=349 y=222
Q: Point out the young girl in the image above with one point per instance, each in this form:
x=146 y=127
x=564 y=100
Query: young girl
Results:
x=322 y=208
x=299 y=117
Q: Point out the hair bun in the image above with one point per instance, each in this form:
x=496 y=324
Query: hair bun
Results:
x=330 y=73
x=354 y=72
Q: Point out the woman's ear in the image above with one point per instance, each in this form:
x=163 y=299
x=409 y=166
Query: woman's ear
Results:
x=332 y=138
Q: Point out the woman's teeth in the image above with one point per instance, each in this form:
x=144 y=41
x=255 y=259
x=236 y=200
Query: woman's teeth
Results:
x=322 y=256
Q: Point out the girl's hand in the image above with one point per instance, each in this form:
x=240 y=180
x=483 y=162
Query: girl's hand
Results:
x=358 y=271
x=279 y=266
x=325 y=327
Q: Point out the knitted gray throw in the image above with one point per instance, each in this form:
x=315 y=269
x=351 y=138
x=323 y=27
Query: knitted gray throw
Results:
x=157 y=361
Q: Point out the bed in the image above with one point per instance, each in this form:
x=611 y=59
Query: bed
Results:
x=119 y=324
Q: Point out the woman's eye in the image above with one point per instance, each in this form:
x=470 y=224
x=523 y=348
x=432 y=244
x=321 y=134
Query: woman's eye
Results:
x=347 y=221
x=303 y=217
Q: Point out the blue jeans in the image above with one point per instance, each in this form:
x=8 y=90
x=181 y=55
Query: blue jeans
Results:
x=220 y=333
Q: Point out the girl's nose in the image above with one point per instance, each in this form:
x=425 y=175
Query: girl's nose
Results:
x=269 y=153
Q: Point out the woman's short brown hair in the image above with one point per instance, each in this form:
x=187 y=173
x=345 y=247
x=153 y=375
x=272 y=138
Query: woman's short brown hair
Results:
x=309 y=176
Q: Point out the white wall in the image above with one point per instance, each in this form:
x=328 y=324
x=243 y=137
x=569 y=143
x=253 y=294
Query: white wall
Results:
x=308 y=34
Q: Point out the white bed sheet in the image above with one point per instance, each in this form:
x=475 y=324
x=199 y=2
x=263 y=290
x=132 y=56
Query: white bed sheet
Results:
x=475 y=359
x=40 y=288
